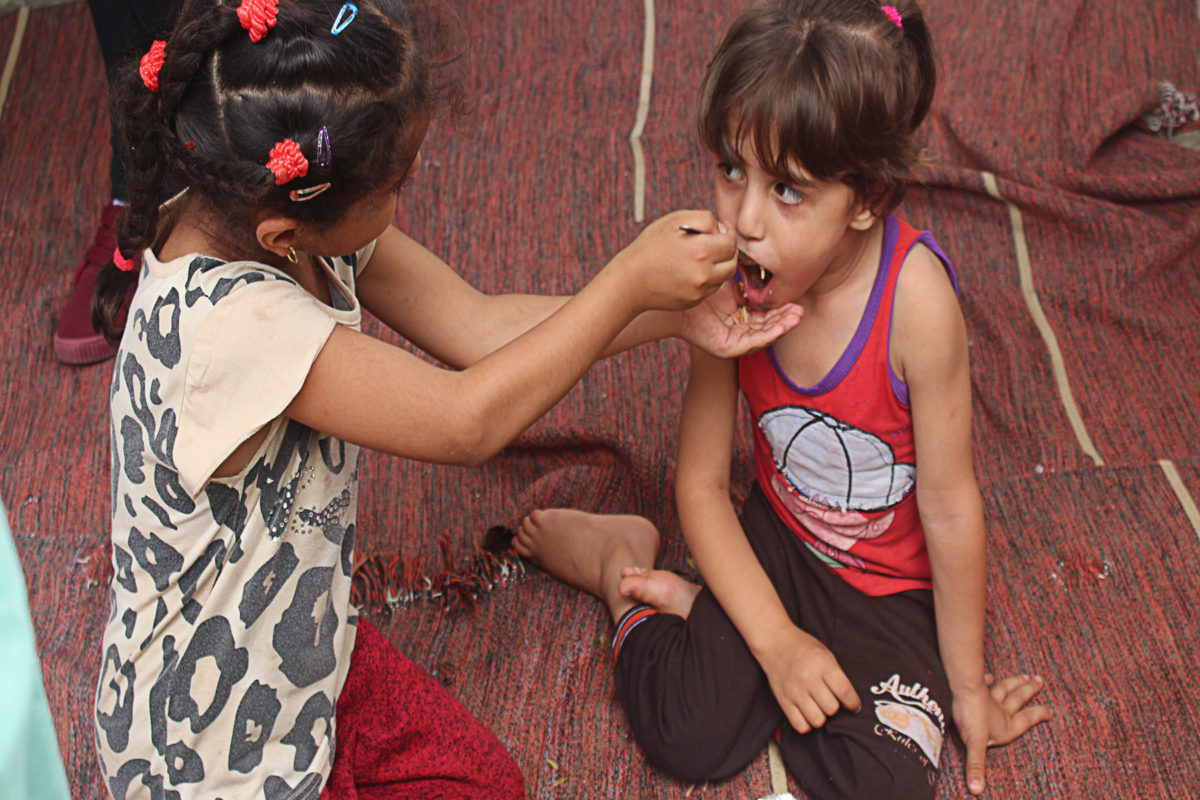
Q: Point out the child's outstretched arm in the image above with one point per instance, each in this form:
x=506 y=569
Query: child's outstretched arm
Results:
x=466 y=324
x=806 y=679
x=380 y=396
x=930 y=339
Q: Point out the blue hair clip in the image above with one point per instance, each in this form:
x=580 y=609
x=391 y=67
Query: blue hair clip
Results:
x=345 y=16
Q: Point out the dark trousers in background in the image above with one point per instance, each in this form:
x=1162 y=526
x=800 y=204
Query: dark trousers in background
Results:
x=125 y=30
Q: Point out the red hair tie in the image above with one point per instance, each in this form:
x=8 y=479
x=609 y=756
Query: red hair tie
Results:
x=121 y=262
x=894 y=15
x=258 y=17
x=151 y=63
x=287 y=162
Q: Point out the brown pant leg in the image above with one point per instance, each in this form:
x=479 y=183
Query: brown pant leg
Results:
x=696 y=699
x=887 y=646
x=702 y=709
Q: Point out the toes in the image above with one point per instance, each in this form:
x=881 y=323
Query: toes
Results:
x=522 y=546
x=523 y=538
x=531 y=524
x=633 y=586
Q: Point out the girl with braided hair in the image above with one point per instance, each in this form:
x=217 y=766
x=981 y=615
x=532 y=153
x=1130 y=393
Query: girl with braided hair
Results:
x=233 y=662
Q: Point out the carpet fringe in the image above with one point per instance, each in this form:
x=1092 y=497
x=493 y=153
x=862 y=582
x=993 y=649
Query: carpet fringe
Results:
x=382 y=585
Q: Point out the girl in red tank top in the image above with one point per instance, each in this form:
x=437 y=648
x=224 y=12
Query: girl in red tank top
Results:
x=843 y=607
x=837 y=460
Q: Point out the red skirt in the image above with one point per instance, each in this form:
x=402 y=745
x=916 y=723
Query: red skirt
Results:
x=400 y=735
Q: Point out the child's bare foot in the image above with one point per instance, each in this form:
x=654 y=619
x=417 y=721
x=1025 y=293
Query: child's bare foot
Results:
x=660 y=588
x=589 y=551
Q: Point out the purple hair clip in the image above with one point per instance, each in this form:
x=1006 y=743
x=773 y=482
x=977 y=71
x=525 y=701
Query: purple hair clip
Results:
x=324 y=150
x=891 y=13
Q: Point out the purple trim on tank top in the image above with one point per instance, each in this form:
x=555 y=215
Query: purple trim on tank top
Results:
x=891 y=232
x=899 y=387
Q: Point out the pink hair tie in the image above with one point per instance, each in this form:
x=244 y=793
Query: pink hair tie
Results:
x=287 y=162
x=121 y=262
x=891 y=13
x=152 y=63
x=258 y=17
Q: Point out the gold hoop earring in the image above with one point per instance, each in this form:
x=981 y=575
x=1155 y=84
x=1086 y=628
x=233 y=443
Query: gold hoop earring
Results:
x=291 y=255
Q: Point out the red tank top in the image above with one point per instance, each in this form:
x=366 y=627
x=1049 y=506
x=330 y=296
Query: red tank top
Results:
x=837 y=460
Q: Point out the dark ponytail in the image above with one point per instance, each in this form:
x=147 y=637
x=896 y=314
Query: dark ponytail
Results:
x=112 y=287
x=921 y=64
x=144 y=117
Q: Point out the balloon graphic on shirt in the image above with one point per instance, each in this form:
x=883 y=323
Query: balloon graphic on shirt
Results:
x=834 y=464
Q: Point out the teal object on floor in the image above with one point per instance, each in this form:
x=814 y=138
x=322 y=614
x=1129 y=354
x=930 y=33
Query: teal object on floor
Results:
x=30 y=765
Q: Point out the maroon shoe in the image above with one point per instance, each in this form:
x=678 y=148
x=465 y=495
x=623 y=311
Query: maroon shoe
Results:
x=75 y=340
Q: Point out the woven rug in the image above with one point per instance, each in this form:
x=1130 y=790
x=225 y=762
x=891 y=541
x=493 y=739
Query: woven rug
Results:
x=1076 y=234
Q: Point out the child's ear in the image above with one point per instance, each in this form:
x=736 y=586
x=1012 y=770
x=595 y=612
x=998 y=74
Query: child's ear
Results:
x=862 y=213
x=862 y=216
x=276 y=234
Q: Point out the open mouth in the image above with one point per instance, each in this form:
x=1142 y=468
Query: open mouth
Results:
x=755 y=275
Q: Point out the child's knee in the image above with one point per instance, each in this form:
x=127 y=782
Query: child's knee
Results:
x=858 y=772
x=878 y=779
x=700 y=711
x=694 y=752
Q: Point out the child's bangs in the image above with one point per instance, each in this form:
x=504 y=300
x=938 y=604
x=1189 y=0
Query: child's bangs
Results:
x=788 y=131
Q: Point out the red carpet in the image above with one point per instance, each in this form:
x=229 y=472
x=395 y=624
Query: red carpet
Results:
x=1093 y=553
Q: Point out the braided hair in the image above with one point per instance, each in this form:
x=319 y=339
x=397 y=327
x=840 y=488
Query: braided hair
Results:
x=223 y=100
